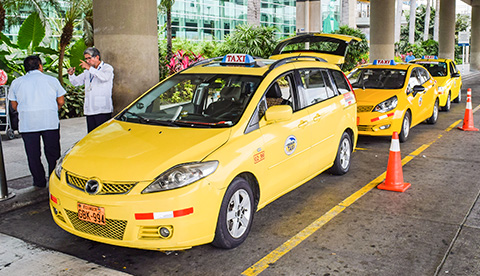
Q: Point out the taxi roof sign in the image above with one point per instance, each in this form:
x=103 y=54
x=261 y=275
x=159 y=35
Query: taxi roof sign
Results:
x=384 y=62
x=238 y=59
x=429 y=57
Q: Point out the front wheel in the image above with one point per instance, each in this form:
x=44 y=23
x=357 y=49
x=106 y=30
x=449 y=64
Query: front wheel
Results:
x=448 y=104
x=344 y=153
x=236 y=215
x=403 y=136
x=433 y=119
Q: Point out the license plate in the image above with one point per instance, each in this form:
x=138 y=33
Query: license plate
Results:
x=91 y=213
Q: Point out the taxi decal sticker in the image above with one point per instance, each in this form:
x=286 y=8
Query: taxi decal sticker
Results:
x=259 y=157
x=290 y=145
x=382 y=117
x=420 y=100
x=348 y=99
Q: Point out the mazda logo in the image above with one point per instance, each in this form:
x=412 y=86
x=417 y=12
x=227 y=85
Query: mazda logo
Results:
x=92 y=187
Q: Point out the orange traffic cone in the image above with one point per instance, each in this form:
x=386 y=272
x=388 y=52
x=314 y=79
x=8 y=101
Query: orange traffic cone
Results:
x=394 y=180
x=468 y=118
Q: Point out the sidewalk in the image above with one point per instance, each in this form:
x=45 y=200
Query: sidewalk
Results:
x=19 y=180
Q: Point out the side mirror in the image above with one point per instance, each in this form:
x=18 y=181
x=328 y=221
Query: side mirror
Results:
x=418 y=89
x=278 y=113
x=455 y=75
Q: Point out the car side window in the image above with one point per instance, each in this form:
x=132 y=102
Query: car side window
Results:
x=314 y=86
x=340 y=82
x=453 y=68
x=424 y=75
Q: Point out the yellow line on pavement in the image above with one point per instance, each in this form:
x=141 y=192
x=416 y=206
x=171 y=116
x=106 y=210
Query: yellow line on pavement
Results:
x=287 y=246
x=453 y=125
x=361 y=149
x=476 y=108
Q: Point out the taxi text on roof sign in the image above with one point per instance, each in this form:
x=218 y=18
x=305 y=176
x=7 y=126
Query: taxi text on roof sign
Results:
x=429 y=57
x=384 y=62
x=238 y=59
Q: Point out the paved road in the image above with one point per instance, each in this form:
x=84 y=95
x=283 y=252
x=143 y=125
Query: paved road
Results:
x=431 y=228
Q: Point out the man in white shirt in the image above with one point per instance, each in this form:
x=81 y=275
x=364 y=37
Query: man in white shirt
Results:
x=98 y=81
x=38 y=97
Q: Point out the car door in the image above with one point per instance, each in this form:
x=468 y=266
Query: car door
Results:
x=325 y=111
x=286 y=143
x=457 y=81
x=430 y=94
x=415 y=99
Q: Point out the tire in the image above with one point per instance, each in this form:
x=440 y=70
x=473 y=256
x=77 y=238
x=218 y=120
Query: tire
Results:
x=448 y=104
x=10 y=134
x=459 y=98
x=403 y=135
x=344 y=154
x=236 y=215
x=433 y=119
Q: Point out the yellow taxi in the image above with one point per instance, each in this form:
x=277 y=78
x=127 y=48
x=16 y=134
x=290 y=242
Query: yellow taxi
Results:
x=192 y=159
x=448 y=78
x=393 y=97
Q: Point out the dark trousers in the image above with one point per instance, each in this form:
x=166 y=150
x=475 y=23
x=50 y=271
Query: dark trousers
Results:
x=93 y=121
x=51 y=147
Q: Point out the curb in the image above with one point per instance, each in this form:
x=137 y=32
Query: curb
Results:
x=24 y=197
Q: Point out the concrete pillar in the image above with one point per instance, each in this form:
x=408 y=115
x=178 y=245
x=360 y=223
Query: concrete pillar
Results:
x=446 y=41
x=411 y=25
x=382 y=25
x=437 y=20
x=253 y=12
x=398 y=19
x=309 y=16
x=349 y=13
x=475 y=36
x=126 y=35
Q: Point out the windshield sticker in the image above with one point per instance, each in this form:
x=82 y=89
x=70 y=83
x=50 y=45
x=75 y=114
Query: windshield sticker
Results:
x=290 y=145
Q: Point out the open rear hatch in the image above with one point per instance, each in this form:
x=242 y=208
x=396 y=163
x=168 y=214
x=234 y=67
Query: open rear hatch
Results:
x=331 y=47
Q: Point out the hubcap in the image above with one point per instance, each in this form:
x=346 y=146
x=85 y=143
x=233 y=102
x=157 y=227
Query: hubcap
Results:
x=238 y=213
x=406 y=126
x=345 y=153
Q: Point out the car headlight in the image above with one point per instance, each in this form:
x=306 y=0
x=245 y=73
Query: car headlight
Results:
x=58 y=166
x=181 y=175
x=387 y=105
x=441 y=88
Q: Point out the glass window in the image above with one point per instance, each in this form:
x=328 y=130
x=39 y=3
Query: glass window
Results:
x=436 y=69
x=414 y=79
x=340 y=82
x=281 y=92
x=314 y=86
x=423 y=75
x=377 y=78
x=203 y=100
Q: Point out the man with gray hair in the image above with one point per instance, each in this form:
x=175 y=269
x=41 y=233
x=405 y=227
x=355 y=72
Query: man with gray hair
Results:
x=98 y=81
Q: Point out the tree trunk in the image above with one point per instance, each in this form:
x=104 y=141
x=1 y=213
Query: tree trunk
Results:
x=427 y=22
x=60 y=64
x=169 y=34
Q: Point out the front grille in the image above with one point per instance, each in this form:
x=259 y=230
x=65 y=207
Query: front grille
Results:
x=364 y=128
x=364 y=108
x=113 y=229
x=107 y=188
x=60 y=217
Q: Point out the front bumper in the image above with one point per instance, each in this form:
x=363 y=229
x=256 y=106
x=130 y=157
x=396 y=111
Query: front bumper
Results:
x=379 y=124
x=126 y=223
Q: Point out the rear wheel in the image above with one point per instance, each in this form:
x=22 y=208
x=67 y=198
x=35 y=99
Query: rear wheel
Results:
x=403 y=136
x=236 y=215
x=344 y=153
x=448 y=104
x=433 y=119
x=459 y=98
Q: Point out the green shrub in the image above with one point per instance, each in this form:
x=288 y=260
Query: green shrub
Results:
x=357 y=52
x=74 y=98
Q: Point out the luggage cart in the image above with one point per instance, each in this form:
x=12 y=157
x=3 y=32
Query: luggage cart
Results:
x=8 y=117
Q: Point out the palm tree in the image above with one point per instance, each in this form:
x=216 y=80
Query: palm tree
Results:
x=166 y=6
x=73 y=14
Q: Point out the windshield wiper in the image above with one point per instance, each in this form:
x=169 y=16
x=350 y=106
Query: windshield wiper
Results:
x=142 y=119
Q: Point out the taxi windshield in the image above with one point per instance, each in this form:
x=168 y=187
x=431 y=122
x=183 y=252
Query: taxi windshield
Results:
x=436 y=69
x=377 y=78
x=201 y=100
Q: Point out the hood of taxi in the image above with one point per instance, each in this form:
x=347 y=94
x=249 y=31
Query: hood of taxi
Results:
x=441 y=81
x=121 y=151
x=374 y=96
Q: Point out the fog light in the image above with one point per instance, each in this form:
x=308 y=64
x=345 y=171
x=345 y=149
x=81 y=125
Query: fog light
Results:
x=164 y=231
x=384 y=127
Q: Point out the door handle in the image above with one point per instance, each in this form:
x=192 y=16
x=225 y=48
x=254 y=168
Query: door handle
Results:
x=317 y=117
x=303 y=123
